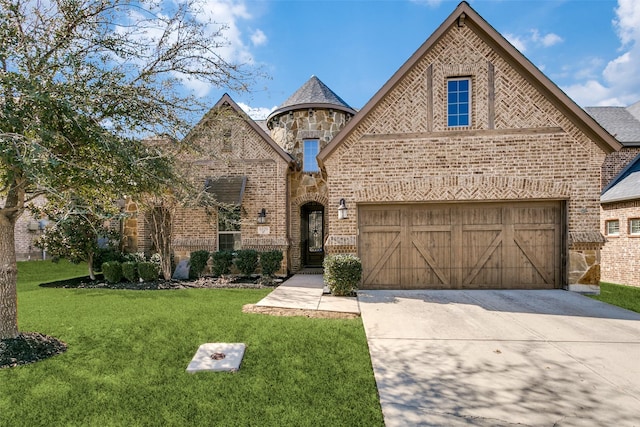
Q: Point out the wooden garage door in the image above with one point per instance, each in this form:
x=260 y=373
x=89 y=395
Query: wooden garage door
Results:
x=461 y=246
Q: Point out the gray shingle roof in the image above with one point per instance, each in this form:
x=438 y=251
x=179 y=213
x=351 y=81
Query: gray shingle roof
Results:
x=626 y=186
x=314 y=92
x=619 y=122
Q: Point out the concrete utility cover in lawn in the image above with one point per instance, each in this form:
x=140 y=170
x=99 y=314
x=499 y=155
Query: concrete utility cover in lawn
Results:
x=217 y=357
x=502 y=358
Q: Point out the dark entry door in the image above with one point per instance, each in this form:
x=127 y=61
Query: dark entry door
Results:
x=313 y=234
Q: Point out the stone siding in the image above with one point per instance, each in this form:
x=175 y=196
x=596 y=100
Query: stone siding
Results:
x=621 y=254
x=518 y=146
x=289 y=130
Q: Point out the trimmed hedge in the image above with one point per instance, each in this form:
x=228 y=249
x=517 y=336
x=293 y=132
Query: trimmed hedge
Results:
x=247 y=261
x=112 y=271
x=130 y=271
x=342 y=273
x=222 y=262
x=148 y=271
x=197 y=263
x=270 y=262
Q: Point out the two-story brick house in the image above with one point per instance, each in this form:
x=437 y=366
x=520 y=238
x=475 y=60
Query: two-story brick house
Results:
x=469 y=168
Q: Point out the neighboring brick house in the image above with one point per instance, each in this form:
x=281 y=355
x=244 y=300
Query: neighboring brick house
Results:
x=468 y=169
x=620 y=219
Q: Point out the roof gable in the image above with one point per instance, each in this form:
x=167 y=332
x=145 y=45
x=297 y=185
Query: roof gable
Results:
x=226 y=101
x=464 y=15
x=625 y=186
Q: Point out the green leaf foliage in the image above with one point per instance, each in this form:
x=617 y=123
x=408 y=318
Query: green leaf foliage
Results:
x=246 y=261
x=130 y=271
x=270 y=262
x=221 y=263
x=198 y=262
x=342 y=273
x=112 y=271
x=148 y=271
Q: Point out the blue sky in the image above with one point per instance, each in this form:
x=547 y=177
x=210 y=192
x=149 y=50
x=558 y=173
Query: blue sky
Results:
x=590 y=48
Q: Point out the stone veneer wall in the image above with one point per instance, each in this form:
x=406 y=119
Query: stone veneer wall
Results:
x=519 y=146
x=621 y=254
x=289 y=130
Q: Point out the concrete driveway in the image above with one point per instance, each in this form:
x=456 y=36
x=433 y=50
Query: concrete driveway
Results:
x=493 y=358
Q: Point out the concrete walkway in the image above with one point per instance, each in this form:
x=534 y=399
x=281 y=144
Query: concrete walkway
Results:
x=305 y=291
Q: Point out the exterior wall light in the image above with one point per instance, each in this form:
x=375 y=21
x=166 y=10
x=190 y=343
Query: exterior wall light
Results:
x=342 y=210
x=262 y=216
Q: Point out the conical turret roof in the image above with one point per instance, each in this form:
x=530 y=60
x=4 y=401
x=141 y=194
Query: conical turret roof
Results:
x=313 y=94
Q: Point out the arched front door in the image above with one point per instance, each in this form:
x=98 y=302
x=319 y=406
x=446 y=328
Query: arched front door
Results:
x=312 y=234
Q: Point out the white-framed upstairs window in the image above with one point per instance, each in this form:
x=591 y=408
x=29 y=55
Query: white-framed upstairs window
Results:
x=634 y=227
x=310 y=149
x=459 y=102
x=612 y=227
x=229 y=234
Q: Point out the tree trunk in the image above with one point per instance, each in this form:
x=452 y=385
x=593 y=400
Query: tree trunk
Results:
x=92 y=274
x=8 y=279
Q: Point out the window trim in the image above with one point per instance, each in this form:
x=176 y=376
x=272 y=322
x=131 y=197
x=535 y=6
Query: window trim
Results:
x=607 y=230
x=238 y=232
x=631 y=233
x=469 y=80
x=304 y=155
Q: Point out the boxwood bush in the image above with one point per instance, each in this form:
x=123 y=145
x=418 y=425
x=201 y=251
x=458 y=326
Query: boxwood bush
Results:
x=112 y=271
x=197 y=263
x=130 y=271
x=270 y=262
x=148 y=271
x=221 y=262
x=246 y=261
x=342 y=273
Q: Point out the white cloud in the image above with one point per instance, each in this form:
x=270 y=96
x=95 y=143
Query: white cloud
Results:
x=431 y=3
x=258 y=38
x=522 y=42
x=256 y=113
x=550 y=39
x=617 y=83
x=516 y=41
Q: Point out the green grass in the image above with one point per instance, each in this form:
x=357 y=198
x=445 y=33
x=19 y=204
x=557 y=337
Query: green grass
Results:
x=128 y=351
x=623 y=296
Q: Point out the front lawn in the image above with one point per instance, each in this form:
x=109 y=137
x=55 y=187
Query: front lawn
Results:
x=623 y=296
x=128 y=351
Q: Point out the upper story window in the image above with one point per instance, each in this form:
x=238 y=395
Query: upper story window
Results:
x=310 y=150
x=612 y=227
x=634 y=227
x=458 y=102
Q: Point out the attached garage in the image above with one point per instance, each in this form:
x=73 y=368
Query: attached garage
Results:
x=515 y=245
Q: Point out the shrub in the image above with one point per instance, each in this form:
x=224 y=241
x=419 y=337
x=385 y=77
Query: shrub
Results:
x=112 y=271
x=247 y=261
x=106 y=255
x=222 y=262
x=148 y=271
x=342 y=273
x=130 y=271
x=270 y=262
x=197 y=263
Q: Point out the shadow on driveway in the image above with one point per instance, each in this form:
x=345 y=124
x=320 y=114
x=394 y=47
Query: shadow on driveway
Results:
x=537 y=358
